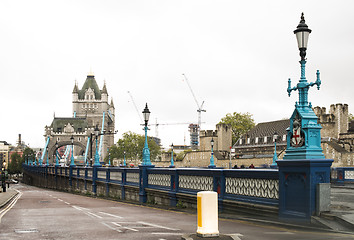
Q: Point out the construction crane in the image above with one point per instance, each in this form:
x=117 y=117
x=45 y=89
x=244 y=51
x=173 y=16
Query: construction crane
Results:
x=131 y=97
x=158 y=124
x=200 y=107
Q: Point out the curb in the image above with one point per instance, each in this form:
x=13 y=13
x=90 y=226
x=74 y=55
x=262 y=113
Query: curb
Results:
x=12 y=196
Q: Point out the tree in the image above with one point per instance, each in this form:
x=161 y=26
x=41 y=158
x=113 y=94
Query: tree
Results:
x=240 y=124
x=133 y=145
x=350 y=117
x=15 y=165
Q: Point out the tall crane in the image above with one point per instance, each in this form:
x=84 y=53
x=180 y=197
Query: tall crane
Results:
x=131 y=97
x=158 y=124
x=200 y=107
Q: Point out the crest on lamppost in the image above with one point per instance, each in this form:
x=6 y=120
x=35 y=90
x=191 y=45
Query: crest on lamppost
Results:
x=297 y=136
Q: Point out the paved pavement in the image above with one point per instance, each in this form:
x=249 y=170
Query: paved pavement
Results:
x=5 y=197
x=339 y=219
x=342 y=207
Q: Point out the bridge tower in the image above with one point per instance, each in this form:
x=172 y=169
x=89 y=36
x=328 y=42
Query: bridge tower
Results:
x=91 y=108
x=92 y=103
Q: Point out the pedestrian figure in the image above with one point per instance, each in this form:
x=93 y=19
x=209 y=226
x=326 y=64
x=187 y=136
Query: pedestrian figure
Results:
x=251 y=166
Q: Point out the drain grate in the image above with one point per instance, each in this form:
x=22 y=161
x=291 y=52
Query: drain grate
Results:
x=33 y=230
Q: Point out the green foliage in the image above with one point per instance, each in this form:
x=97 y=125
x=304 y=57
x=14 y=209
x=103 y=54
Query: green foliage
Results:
x=350 y=117
x=240 y=124
x=180 y=204
x=133 y=145
x=180 y=156
x=15 y=165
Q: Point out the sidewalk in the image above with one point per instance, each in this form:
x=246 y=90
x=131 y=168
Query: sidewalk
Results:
x=342 y=206
x=5 y=197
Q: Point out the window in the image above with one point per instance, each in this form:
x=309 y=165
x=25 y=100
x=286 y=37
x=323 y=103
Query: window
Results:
x=265 y=139
x=248 y=140
x=58 y=129
x=256 y=141
x=284 y=137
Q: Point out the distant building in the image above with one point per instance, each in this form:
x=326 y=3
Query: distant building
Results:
x=194 y=135
x=5 y=151
x=91 y=108
x=222 y=137
x=19 y=148
x=259 y=142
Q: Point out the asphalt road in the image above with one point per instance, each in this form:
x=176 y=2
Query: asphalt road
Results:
x=44 y=214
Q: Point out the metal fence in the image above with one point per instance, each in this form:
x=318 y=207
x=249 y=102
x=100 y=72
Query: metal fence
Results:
x=259 y=186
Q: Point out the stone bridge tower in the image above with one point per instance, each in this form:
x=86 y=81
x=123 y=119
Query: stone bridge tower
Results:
x=91 y=103
x=91 y=108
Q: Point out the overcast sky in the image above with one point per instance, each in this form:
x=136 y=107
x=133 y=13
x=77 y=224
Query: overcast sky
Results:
x=237 y=55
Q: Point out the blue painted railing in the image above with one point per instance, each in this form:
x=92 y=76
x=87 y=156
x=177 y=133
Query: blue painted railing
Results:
x=256 y=186
x=342 y=174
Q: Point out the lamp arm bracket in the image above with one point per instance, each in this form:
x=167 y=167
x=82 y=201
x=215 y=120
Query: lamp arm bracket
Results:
x=290 y=88
x=318 y=81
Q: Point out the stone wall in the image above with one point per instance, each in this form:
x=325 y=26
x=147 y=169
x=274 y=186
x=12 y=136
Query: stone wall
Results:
x=222 y=137
x=335 y=121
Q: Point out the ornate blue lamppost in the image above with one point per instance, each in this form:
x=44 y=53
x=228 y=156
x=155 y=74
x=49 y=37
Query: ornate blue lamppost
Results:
x=40 y=161
x=109 y=157
x=56 y=157
x=172 y=164
x=124 y=163
x=212 y=164
x=275 y=156
x=304 y=166
x=304 y=137
x=72 y=162
x=97 y=157
x=146 y=150
x=47 y=162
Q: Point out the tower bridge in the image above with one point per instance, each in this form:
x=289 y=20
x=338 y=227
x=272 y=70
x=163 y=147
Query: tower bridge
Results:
x=91 y=111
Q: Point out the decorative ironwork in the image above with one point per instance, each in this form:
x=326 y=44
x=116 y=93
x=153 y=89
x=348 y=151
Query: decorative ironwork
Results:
x=116 y=176
x=348 y=174
x=159 y=179
x=101 y=174
x=82 y=172
x=265 y=188
x=133 y=177
x=89 y=173
x=196 y=182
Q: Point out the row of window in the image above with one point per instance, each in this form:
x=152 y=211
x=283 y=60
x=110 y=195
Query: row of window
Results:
x=59 y=129
x=90 y=97
x=90 y=105
x=259 y=140
x=79 y=139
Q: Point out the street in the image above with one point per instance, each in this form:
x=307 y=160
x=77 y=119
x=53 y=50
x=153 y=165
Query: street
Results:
x=44 y=214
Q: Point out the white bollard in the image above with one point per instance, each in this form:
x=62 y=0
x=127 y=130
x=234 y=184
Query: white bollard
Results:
x=207 y=204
